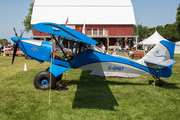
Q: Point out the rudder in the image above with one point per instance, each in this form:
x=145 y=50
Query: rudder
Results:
x=160 y=59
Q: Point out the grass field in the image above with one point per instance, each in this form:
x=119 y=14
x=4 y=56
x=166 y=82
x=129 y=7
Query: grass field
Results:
x=88 y=97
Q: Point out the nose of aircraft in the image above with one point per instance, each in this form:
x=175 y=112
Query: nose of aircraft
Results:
x=14 y=39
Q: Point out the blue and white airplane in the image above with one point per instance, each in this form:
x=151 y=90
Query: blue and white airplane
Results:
x=83 y=54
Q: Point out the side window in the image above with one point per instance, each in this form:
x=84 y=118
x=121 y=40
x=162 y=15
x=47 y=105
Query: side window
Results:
x=83 y=47
x=65 y=49
x=58 y=54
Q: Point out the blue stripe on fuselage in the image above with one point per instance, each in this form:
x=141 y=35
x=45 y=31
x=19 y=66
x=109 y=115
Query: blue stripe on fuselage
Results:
x=89 y=57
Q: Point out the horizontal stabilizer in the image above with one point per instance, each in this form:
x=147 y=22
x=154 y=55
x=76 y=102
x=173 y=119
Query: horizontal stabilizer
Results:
x=166 y=63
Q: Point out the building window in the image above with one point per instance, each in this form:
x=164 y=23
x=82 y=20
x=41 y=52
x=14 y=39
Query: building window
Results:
x=97 y=32
x=89 y=32
x=105 y=32
x=100 y=32
x=71 y=26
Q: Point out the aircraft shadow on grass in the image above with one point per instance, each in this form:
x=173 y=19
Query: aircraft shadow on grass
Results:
x=94 y=93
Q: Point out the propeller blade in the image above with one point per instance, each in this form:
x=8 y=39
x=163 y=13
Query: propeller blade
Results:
x=22 y=33
x=15 y=33
x=14 y=53
x=17 y=44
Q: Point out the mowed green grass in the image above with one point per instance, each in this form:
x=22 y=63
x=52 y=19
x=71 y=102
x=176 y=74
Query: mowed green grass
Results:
x=88 y=97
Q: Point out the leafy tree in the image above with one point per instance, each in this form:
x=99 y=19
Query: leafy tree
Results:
x=140 y=32
x=145 y=31
x=178 y=19
x=4 y=41
x=168 y=32
x=27 y=20
x=134 y=30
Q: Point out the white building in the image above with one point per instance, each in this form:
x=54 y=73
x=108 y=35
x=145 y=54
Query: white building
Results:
x=105 y=20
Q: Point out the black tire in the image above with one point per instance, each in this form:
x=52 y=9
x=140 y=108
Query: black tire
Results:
x=42 y=80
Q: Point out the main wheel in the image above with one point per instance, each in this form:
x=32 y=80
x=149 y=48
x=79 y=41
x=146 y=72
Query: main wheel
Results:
x=42 y=80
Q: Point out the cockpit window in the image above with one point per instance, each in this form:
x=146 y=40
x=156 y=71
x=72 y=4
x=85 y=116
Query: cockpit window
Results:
x=95 y=48
x=67 y=50
x=64 y=49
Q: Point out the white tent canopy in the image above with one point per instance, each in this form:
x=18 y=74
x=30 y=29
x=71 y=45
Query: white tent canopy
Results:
x=153 y=39
x=177 y=48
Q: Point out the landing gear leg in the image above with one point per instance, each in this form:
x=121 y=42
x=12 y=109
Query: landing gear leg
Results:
x=160 y=83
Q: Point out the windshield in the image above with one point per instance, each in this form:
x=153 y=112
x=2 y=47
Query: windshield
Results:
x=95 y=48
x=66 y=50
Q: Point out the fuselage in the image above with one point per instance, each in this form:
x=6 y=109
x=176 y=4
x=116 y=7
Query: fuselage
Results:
x=88 y=59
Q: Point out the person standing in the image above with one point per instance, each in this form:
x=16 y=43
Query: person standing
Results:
x=131 y=54
x=119 y=48
x=126 y=47
x=146 y=48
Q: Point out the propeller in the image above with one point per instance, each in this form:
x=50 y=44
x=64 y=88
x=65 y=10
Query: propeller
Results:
x=14 y=53
x=16 y=46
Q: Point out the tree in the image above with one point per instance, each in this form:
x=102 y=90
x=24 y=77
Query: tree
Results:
x=145 y=31
x=134 y=30
x=140 y=32
x=178 y=19
x=4 y=41
x=27 y=20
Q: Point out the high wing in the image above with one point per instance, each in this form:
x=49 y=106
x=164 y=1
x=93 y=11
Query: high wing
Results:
x=63 y=31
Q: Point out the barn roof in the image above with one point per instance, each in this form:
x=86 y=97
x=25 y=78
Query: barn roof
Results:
x=80 y=11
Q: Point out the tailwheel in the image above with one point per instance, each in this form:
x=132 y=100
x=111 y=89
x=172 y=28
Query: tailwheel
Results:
x=160 y=82
x=42 y=80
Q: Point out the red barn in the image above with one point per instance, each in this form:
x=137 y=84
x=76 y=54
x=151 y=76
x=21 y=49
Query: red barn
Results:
x=109 y=21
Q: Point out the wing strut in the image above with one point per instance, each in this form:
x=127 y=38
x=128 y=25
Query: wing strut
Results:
x=75 y=54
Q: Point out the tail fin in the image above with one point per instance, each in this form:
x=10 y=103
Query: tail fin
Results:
x=161 y=58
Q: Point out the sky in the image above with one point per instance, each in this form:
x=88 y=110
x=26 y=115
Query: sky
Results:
x=150 y=13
